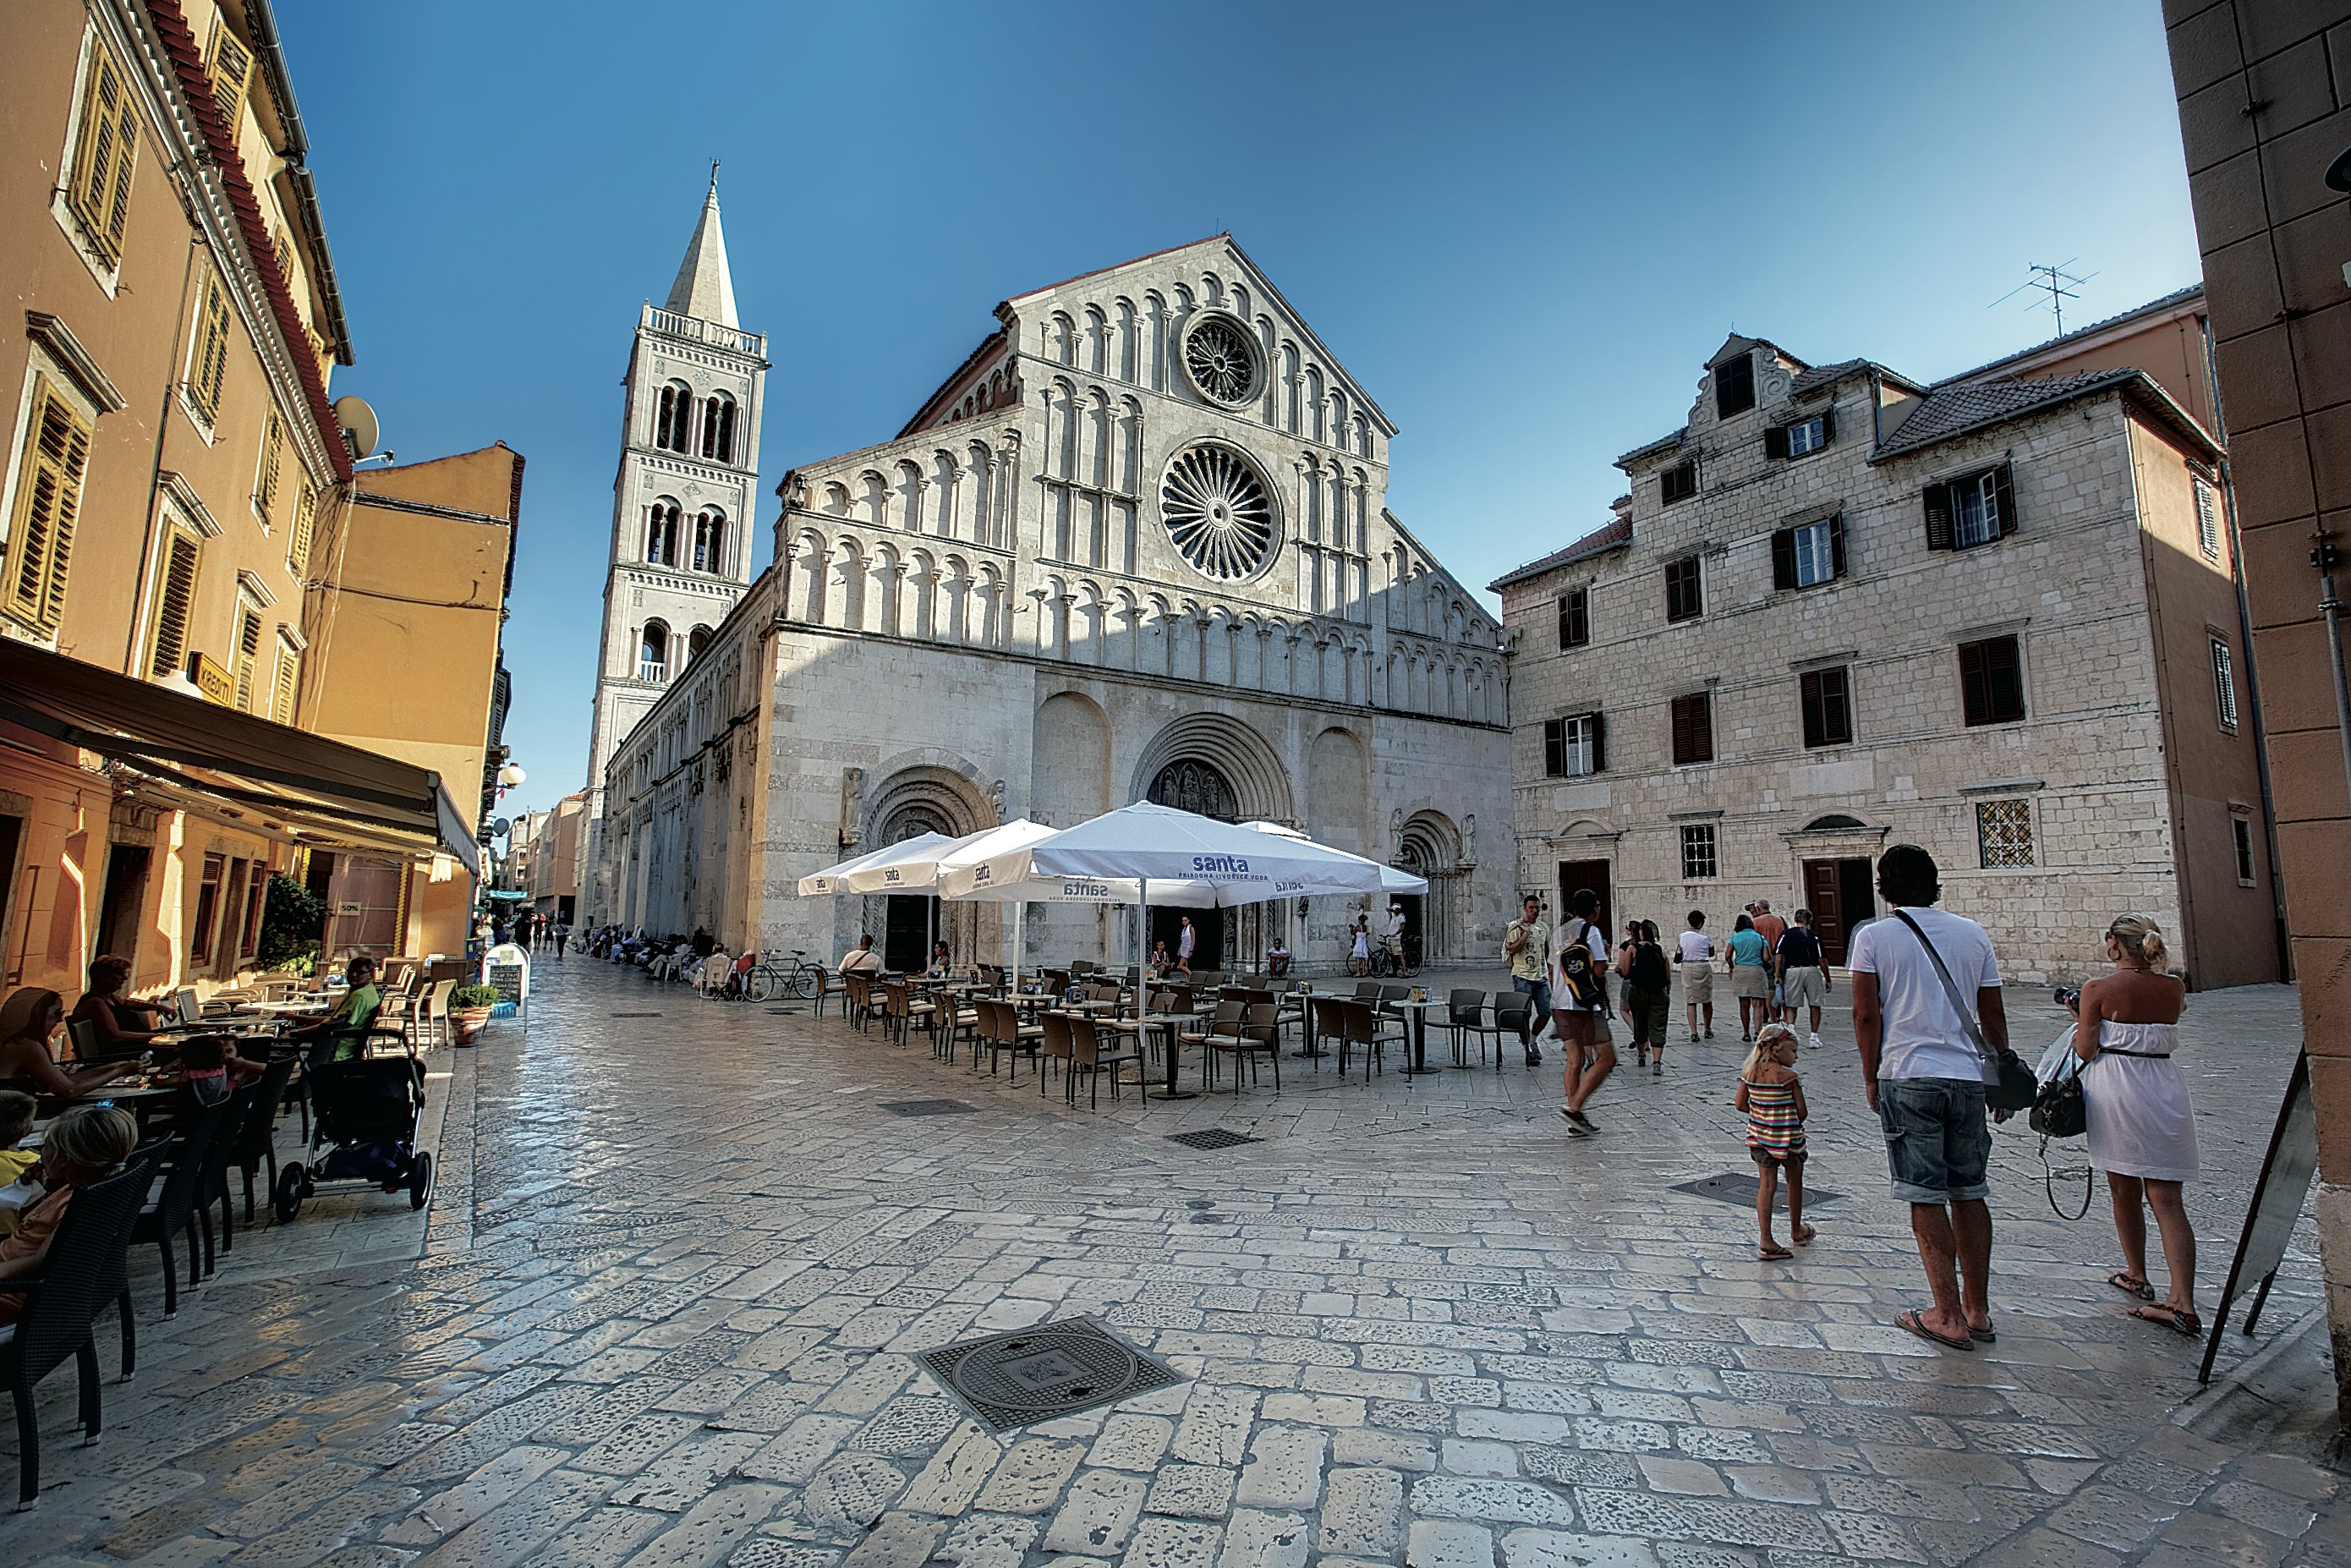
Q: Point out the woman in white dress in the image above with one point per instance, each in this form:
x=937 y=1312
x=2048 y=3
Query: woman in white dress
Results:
x=2142 y=1129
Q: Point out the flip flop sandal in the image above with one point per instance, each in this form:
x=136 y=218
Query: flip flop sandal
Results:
x=1773 y=1255
x=2185 y=1325
x=1916 y=1323
x=2129 y=1286
x=1984 y=1335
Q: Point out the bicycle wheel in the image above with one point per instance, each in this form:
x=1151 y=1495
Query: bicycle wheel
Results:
x=758 y=984
x=806 y=982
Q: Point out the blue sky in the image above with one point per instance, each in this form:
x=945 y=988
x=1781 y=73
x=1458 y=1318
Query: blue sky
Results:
x=1523 y=229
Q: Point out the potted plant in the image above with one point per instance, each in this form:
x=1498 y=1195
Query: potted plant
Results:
x=469 y=1009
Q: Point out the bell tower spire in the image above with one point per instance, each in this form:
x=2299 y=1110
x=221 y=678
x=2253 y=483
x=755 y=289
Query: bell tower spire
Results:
x=704 y=289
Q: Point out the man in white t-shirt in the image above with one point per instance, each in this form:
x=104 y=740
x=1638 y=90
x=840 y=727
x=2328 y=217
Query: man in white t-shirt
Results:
x=1582 y=1026
x=1925 y=1078
x=861 y=959
x=1695 y=952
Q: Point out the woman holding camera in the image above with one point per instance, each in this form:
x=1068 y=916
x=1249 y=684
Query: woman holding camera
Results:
x=2142 y=1129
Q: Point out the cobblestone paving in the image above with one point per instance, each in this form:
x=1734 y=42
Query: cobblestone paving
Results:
x=666 y=1307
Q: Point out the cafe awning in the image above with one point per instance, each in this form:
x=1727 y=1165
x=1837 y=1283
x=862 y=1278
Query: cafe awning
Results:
x=186 y=751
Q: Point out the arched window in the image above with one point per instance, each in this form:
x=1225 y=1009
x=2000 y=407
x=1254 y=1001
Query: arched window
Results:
x=696 y=642
x=652 y=652
x=661 y=533
x=710 y=540
x=719 y=428
x=674 y=418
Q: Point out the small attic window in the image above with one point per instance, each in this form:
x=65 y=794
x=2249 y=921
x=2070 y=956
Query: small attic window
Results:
x=1734 y=386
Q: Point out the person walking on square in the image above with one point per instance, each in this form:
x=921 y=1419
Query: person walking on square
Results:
x=1648 y=995
x=1527 y=944
x=1922 y=1074
x=1694 y=950
x=1772 y=928
x=1803 y=978
x=1359 y=949
x=1773 y=1098
x=1578 y=990
x=2142 y=1125
x=1751 y=978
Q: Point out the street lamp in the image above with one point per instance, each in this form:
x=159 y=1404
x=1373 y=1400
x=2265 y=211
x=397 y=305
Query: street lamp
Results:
x=511 y=775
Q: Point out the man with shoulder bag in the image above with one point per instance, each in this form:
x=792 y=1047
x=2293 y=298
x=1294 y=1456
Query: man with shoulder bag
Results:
x=1579 y=986
x=1933 y=1033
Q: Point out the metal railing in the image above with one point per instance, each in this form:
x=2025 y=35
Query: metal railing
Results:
x=693 y=328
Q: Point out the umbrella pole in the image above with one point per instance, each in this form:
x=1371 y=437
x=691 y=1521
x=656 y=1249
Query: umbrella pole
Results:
x=1020 y=910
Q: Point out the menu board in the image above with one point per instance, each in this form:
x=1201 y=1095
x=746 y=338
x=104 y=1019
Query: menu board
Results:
x=505 y=968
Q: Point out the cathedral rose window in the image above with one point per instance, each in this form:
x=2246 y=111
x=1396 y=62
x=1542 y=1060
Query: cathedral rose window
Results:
x=1222 y=360
x=1218 y=510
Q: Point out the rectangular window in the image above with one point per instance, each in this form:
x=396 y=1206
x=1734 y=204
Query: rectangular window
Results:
x=1693 y=728
x=1698 y=852
x=1991 y=681
x=2004 y=833
x=208 y=355
x=248 y=652
x=208 y=892
x=2207 y=521
x=105 y=155
x=1734 y=386
x=286 y=689
x=1684 y=594
x=231 y=67
x=2225 y=685
x=2244 y=831
x=1828 y=708
x=1576 y=618
x=256 y=897
x=1804 y=436
x=1576 y=747
x=1809 y=554
x=1974 y=509
x=265 y=473
x=1678 y=482
x=175 y=604
x=297 y=538
x=48 y=500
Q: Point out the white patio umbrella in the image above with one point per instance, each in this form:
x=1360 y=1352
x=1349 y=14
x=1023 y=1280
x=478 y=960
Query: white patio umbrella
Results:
x=834 y=879
x=1391 y=879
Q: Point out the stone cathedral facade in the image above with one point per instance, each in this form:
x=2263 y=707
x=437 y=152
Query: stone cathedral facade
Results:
x=1135 y=546
x=681 y=497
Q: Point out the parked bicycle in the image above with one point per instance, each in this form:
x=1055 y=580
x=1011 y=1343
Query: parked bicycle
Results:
x=772 y=980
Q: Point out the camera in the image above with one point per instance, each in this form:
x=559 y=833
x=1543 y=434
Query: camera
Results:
x=2068 y=996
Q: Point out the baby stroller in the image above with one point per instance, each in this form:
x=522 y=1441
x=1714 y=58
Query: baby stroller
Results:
x=363 y=1104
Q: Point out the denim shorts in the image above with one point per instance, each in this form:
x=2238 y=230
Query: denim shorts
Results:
x=1937 y=1140
x=1538 y=989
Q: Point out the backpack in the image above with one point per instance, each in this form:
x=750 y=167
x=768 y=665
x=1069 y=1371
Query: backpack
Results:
x=1650 y=970
x=1582 y=977
x=1800 y=949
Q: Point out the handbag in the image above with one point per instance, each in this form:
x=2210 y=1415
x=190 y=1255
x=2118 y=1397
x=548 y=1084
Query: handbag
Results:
x=2008 y=1083
x=2058 y=1109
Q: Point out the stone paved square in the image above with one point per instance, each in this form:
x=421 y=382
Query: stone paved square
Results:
x=667 y=1305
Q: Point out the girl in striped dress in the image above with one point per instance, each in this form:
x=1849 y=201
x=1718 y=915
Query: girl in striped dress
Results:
x=1773 y=1098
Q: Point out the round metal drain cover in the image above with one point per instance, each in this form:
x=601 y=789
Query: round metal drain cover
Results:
x=1033 y=1372
x=1199 y=1203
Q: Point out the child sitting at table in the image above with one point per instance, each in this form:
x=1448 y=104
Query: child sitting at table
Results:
x=15 y=1126
x=214 y=1068
x=81 y=1146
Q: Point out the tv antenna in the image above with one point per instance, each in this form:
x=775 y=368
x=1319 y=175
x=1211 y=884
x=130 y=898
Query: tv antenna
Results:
x=2055 y=282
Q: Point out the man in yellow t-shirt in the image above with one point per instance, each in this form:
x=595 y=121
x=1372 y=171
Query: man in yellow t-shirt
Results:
x=1527 y=945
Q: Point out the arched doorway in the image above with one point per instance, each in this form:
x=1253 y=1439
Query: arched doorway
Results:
x=1429 y=846
x=1191 y=785
x=908 y=919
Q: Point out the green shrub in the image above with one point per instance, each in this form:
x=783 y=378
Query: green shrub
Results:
x=293 y=924
x=474 y=997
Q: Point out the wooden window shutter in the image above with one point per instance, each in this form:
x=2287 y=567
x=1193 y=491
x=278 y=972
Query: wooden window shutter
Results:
x=248 y=650
x=48 y=500
x=1975 y=693
x=1783 y=558
x=231 y=69
x=265 y=481
x=297 y=541
x=1808 y=686
x=288 y=686
x=1554 y=747
x=1941 y=535
x=2004 y=492
x=209 y=371
x=175 y=604
x=1775 y=441
x=1828 y=424
x=1836 y=545
x=1693 y=728
x=1600 y=743
x=99 y=192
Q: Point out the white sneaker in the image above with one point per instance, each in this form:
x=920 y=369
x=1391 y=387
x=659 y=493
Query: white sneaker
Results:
x=1816 y=1042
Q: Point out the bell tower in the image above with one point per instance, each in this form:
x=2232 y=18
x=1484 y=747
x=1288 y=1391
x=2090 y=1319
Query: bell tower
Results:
x=682 y=498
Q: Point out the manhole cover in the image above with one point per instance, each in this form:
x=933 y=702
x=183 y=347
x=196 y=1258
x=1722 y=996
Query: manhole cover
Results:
x=1211 y=1138
x=1039 y=1374
x=1739 y=1187
x=1204 y=1218
x=636 y=1015
x=1199 y=1203
x=929 y=1108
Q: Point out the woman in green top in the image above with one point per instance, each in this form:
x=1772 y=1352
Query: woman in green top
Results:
x=355 y=1012
x=1751 y=978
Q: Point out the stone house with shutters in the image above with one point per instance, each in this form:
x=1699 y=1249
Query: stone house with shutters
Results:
x=1840 y=608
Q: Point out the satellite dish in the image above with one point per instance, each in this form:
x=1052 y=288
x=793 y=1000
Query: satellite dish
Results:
x=500 y=828
x=358 y=423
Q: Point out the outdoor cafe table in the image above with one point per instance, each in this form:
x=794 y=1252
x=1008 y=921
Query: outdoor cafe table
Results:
x=1420 y=1011
x=1170 y=1022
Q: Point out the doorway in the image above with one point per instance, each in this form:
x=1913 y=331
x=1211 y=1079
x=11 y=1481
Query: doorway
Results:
x=126 y=898
x=1577 y=874
x=1416 y=934
x=1208 y=934
x=906 y=933
x=1843 y=896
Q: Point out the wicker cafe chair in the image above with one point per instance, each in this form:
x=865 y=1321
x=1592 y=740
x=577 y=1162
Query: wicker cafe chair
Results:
x=1094 y=1048
x=1058 y=1046
x=1464 y=1014
x=1331 y=1025
x=1259 y=1033
x=173 y=1210
x=84 y=1271
x=1002 y=1034
x=1372 y=1031
x=257 y=1136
